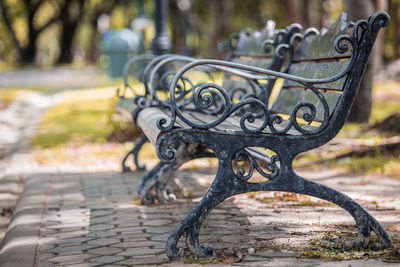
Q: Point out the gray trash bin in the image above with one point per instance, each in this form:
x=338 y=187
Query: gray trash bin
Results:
x=119 y=46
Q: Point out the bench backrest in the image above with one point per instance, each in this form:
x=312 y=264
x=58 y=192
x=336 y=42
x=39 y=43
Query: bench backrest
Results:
x=257 y=49
x=316 y=58
x=340 y=51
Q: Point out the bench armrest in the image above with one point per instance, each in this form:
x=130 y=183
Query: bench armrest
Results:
x=203 y=97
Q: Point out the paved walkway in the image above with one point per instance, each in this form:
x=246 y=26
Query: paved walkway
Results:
x=94 y=220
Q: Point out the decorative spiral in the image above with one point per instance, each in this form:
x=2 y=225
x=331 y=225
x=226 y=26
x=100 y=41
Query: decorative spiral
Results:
x=268 y=45
x=341 y=43
x=281 y=50
x=141 y=101
x=250 y=117
x=167 y=154
x=311 y=31
x=244 y=155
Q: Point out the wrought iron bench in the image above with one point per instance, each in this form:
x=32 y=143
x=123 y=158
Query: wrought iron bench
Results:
x=319 y=87
x=255 y=49
x=256 y=45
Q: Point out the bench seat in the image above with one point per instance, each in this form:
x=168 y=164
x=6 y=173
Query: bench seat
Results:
x=147 y=122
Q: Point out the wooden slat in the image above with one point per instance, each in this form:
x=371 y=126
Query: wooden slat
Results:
x=322 y=46
x=319 y=71
x=147 y=122
x=255 y=62
x=289 y=98
x=252 y=44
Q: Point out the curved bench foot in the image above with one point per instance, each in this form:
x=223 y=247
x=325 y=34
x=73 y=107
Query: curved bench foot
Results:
x=364 y=220
x=142 y=139
x=159 y=176
x=191 y=224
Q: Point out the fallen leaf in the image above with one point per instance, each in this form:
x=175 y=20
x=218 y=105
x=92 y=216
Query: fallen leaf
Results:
x=394 y=227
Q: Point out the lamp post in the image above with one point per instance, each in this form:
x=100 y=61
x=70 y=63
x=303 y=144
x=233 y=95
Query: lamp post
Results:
x=161 y=43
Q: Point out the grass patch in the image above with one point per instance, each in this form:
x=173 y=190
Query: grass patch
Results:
x=76 y=131
x=329 y=245
x=78 y=120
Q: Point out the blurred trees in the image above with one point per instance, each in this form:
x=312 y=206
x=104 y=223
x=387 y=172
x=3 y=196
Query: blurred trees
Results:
x=13 y=12
x=25 y=21
x=63 y=31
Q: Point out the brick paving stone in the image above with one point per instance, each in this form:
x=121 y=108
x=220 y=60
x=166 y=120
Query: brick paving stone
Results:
x=99 y=213
x=162 y=237
x=97 y=209
x=157 y=222
x=130 y=235
x=160 y=230
x=67 y=260
x=79 y=233
x=101 y=227
x=100 y=220
x=70 y=248
x=104 y=251
x=130 y=229
x=133 y=222
x=74 y=240
x=68 y=253
x=137 y=239
x=102 y=234
x=107 y=259
x=45 y=256
x=103 y=241
x=141 y=251
x=133 y=244
x=45 y=263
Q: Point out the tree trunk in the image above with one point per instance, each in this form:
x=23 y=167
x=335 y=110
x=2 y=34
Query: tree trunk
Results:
x=380 y=5
x=361 y=110
x=69 y=24
x=178 y=28
x=216 y=22
x=394 y=7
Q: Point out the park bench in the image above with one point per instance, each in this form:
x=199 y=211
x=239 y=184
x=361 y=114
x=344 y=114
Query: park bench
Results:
x=321 y=80
x=255 y=49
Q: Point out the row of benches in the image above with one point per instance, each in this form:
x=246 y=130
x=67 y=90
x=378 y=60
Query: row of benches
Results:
x=284 y=93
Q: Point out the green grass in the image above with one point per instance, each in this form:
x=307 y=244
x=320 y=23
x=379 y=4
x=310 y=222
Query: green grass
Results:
x=78 y=120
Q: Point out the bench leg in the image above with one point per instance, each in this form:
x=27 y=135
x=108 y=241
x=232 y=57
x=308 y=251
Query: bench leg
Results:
x=142 y=139
x=222 y=188
x=159 y=176
x=226 y=184
x=364 y=220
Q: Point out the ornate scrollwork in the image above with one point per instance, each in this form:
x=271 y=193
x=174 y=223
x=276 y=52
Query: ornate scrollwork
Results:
x=243 y=155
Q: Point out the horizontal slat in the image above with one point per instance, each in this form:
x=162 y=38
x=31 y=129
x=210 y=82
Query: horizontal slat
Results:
x=147 y=122
x=319 y=71
x=252 y=44
x=255 y=62
x=289 y=98
x=322 y=46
